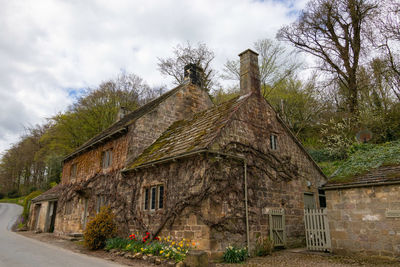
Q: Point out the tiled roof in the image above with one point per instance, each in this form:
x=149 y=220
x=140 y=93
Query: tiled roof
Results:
x=190 y=135
x=381 y=175
x=52 y=193
x=120 y=126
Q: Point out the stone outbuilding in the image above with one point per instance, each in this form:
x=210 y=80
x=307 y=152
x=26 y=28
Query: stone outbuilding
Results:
x=43 y=210
x=183 y=167
x=364 y=212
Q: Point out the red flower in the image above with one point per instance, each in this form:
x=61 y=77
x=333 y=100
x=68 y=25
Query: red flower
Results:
x=157 y=238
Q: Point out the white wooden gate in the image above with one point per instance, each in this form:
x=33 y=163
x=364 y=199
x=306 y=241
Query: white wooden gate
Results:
x=317 y=229
x=277 y=231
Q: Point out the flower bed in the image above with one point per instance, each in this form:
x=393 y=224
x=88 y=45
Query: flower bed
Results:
x=164 y=248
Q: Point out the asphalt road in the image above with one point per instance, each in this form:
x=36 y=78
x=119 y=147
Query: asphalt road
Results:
x=20 y=251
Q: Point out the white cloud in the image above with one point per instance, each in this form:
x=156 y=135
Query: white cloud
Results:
x=48 y=47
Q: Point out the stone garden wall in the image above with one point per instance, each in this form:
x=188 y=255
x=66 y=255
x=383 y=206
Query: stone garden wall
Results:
x=365 y=220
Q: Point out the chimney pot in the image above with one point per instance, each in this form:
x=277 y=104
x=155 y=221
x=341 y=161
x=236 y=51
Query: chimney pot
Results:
x=194 y=74
x=249 y=72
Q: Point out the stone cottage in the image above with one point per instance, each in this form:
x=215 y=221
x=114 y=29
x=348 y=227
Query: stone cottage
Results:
x=364 y=212
x=180 y=166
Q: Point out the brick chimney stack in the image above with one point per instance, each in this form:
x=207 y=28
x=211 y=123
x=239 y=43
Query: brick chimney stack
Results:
x=194 y=73
x=249 y=73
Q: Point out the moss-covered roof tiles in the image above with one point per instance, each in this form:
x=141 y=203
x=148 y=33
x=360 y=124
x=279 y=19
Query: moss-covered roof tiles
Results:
x=50 y=194
x=380 y=175
x=190 y=135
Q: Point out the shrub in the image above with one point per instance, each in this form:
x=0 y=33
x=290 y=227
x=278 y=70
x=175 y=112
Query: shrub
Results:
x=27 y=203
x=2 y=195
x=234 y=254
x=13 y=194
x=264 y=246
x=99 y=229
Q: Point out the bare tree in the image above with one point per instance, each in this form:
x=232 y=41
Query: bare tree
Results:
x=276 y=63
x=389 y=26
x=334 y=31
x=185 y=54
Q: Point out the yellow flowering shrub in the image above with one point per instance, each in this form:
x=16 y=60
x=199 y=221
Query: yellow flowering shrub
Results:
x=99 y=229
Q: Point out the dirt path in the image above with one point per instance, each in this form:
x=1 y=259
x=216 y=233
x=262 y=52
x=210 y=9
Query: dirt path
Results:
x=302 y=258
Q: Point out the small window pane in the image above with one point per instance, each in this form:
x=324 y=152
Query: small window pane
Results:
x=153 y=198
x=73 y=170
x=109 y=158
x=106 y=159
x=146 y=199
x=322 y=198
x=273 y=142
x=160 y=196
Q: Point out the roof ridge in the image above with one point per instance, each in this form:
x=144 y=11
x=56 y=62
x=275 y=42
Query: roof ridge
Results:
x=126 y=120
x=245 y=97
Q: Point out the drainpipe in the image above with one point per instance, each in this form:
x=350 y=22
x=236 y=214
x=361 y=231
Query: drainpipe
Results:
x=246 y=207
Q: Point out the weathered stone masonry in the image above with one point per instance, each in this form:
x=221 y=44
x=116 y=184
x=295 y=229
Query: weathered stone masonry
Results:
x=364 y=213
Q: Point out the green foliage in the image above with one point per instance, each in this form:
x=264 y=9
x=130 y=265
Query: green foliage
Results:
x=297 y=103
x=27 y=203
x=235 y=254
x=99 y=229
x=18 y=200
x=321 y=155
x=221 y=96
x=264 y=246
x=13 y=194
x=365 y=157
x=329 y=167
x=116 y=243
x=338 y=137
x=1 y=195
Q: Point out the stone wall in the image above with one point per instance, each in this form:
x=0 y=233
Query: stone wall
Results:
x=89 y=163
x=358 y=221
x=41 y=219
x=277 y=178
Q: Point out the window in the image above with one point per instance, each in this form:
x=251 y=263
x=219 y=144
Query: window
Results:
x=101 y=202
x=74 y=169
x=106 y=158
x=68 y=207
x=273 y=142
x=309 y=202
x=322 y=198
x=160 y=196
x=146 y=198
x=153 y=197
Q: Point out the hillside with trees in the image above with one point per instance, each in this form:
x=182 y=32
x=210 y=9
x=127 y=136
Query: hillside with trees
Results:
x=353 y=87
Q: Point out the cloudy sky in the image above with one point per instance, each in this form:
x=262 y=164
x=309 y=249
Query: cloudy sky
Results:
x=50 y=49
